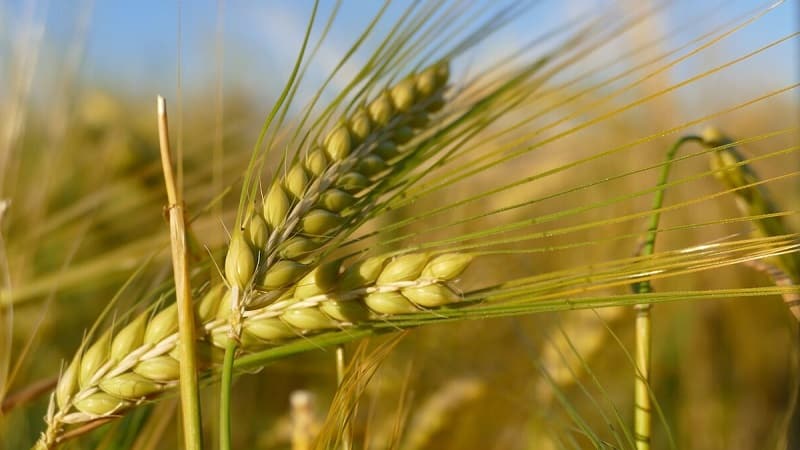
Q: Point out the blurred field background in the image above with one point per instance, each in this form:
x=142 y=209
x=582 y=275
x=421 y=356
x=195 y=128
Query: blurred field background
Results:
x=80 y=171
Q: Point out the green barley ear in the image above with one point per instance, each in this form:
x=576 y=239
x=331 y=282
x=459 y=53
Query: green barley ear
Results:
x=730 y=168
x=323 y=196
x=139 y=362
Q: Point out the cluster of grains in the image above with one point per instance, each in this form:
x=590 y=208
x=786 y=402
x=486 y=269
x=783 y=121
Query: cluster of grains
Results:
x=752 y=197
x=329 y=187
x=140 y=360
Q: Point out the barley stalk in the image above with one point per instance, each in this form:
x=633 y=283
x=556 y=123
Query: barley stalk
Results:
x=139 y=361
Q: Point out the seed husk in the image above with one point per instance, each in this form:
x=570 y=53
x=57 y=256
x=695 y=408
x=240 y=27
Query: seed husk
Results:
x=271 y=329
x=389 y=303
x=362 y=273
x=208 y=306
x=316 y=162
x=387 y=150
x=257 y=231
x=307 y=286
x=224 y=309
x=447 y=266
x=282 y=274
x=308 y=319
x=99 y=404
x=381 y=109
x=430 y=296
x=160 y=368
x=248 y=341
x=371 y=165
x=220 y=338
x=338 y=143
x=345 y=311
x=320 y=222
x=276 y=206
x=67 y=383
x=326 y=275
x=162 y=325
x=336 y=200
x=427 y=82
x=296 y=181
x=130 y=385
x=404 y=94
x=353 y=182
x=403 y=268
x=360 y=125
x=240 y=264
x=297 y=247
x=94 y=358
x=129 y=338
x=435 y=104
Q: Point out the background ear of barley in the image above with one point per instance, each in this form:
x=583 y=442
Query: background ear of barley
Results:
x=81 y=171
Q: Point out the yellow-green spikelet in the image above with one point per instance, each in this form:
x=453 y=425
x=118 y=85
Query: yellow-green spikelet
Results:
x=324 y=190
x=326 y=298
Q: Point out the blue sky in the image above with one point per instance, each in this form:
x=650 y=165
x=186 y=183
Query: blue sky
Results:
x=132 y=46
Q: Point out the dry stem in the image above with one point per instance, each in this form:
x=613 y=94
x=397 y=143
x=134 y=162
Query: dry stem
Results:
x=186 y=328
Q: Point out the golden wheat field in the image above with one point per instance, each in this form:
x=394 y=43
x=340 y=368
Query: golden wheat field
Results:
x=407 y=225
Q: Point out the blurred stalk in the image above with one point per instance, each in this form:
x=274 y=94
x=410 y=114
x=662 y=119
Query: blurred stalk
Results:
x=644 y=340
x=340 y=368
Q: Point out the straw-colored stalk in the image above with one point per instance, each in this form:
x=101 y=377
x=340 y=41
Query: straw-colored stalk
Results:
x=190 y=404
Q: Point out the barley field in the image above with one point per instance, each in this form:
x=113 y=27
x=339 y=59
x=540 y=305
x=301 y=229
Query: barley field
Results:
x=407 y=225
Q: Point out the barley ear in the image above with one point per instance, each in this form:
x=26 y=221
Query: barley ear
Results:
x=753 y=199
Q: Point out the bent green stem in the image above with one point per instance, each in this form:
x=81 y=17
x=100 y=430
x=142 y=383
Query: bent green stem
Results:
x=642 y=403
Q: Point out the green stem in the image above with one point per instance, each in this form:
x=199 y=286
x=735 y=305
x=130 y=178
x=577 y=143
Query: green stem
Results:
x=642 y=403
x=225 y=397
